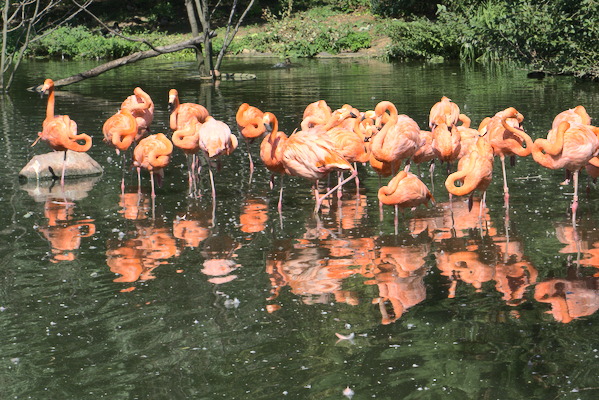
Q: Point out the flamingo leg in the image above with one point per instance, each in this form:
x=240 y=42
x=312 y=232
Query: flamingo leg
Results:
x=152 y=183
x=139 y=180
x=212 y=184
x=357 y=180
x=339 y=179
x=506 y=194
x=247 y=142
x=319 y=200
x=396 y=219
x=64 y=164
x=124 y=160
x=280 y=204
x=575 y=201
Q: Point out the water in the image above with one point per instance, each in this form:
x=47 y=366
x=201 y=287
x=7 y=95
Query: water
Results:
x=116 y=298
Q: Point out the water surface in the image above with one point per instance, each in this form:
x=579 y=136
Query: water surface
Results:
x=116 y=297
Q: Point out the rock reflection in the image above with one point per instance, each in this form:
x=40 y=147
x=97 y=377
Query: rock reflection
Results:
x=64 y=233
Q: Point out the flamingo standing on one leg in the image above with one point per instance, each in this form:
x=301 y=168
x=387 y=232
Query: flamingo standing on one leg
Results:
x=119 y=132
x=405 y=190
x=215 y=139
x=152 y=153
x=60 y=131
x=140 y=104
x=251 y=126
x=572 y=146
x=504 y=140
x=475 y=171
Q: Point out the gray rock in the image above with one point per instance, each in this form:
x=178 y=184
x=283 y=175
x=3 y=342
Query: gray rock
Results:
x=77 y=165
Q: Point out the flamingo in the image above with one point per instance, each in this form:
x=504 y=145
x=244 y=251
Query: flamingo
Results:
x=446 y=143
x=251 y=126
x=140 y=104
x=398 y=139
x=572 y=146
x=475 y=171
x=506 y=136
x=271 y=150
x=444 y=111
x=119 y=132
x=181 y=114
x=350 y=144
x=152 y=153
x=215 y=139
x=405 y=190
x=312 y=156
x=60 y=131
x=188 y=140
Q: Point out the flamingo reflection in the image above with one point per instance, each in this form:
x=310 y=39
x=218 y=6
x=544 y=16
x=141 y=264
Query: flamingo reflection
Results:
x=219 y=259
x=63 y=233
x=569 y=298
x=136 y=258
x=192 y=227
x=254 y=215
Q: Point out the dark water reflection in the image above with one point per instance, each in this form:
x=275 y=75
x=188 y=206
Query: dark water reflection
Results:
x=110 y=294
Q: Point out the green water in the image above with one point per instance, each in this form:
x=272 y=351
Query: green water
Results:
x=115 y=297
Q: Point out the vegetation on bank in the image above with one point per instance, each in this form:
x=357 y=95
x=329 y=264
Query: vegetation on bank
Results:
x=560 y=36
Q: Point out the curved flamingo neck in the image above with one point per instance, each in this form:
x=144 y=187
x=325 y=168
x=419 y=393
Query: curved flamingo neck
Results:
x=50 y=106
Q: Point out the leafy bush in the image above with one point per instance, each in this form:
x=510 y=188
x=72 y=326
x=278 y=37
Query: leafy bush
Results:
x=80 y=42
x=421 y=39
x=304 y=35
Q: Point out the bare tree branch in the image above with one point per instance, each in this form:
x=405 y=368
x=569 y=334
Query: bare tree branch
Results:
x=140 y=55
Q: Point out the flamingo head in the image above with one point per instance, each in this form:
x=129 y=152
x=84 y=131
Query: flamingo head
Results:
x=173 y=95
x=48 y=84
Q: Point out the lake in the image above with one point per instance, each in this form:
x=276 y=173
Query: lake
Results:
x=117 y=296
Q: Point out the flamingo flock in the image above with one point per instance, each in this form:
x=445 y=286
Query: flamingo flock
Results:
x=338 y=140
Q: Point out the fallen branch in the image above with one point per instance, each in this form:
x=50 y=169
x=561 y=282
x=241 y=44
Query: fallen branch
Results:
x=119 y=62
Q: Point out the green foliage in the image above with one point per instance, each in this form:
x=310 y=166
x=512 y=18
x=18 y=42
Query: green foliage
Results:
x=80 y=43
x=421 y=39
x=304 y=35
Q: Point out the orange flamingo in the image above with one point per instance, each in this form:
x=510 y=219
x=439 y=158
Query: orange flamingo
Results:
x=312 y=156
x=271 y=150
x=507 y=136
x=119 y=132
x=215 y=140
x=398 y=139
x=577 y=114
x=405 y=190
x=140 y=104
x=181 y=114
x=188 y=140
x=251 y=126
x=60 y=131
x=571 y=147
x=152 y=153
x=475 y=171
x=446 y=143
x=444 y=112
